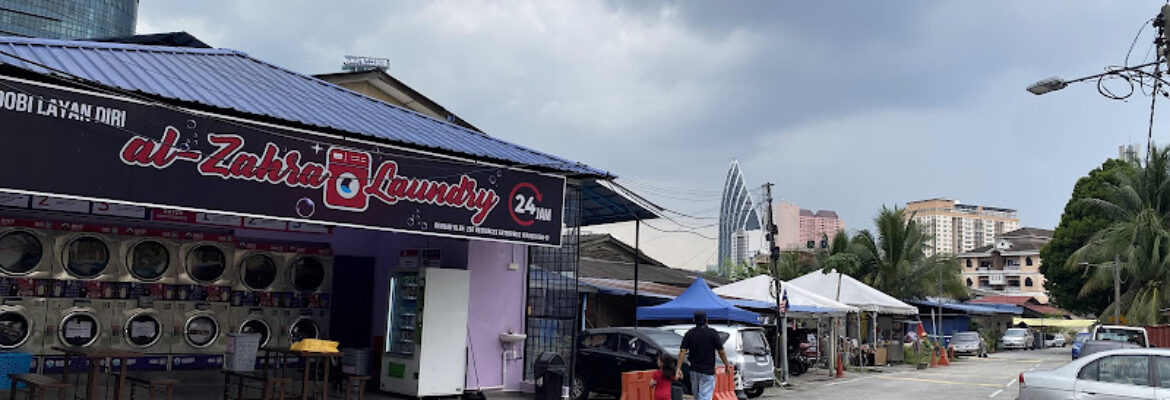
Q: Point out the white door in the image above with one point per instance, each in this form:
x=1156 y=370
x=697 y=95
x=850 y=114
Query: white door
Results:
x=1116 y=378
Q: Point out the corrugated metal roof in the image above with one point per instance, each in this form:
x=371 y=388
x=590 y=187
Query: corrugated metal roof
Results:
x=230 y=79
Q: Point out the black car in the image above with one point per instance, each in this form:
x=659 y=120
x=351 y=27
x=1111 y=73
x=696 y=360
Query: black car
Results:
x=603 y=354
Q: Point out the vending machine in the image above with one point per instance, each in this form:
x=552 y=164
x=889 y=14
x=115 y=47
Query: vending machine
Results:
x=426 y=333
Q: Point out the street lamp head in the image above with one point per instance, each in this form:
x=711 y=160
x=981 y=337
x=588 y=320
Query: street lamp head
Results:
x=1047 y=85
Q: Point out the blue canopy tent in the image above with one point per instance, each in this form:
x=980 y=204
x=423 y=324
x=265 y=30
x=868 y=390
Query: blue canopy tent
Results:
x=698 y=297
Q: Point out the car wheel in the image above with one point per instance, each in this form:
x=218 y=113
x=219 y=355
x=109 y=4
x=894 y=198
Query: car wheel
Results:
x=580 y=391
x=754 y=392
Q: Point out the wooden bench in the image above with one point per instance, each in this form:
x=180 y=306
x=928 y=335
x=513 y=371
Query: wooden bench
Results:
x=36 y=385
x=271 y=387
x=157 y=385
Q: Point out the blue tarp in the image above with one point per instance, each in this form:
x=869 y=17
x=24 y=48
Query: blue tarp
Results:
x=698 y=297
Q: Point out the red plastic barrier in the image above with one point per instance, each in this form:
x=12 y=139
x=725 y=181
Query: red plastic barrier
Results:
x=636 y=385
x=724 y=384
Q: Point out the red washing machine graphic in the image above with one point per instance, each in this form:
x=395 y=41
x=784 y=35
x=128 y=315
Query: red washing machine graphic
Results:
x=349 y=170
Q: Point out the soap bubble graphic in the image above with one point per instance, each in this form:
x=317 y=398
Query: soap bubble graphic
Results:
x=416 y=219
x=191 y=124
x=495 y=177
x=306 y=207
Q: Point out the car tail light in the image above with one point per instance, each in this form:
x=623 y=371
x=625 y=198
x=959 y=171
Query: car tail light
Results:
x=1021 y=379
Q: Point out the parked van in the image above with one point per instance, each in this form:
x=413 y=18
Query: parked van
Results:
x=747 y=349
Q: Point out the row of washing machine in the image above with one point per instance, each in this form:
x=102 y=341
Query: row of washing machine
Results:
x=108 y=253
x=195 y=333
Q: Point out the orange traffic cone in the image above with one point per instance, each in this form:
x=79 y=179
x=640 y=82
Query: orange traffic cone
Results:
x=942 y=357
x=933 y=361
x=840 y=366
x=951 y=352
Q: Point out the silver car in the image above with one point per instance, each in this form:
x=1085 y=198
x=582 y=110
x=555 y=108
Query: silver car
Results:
x=747 y=349
x=1017 y=338
x=969 y=343
x=1115 y=374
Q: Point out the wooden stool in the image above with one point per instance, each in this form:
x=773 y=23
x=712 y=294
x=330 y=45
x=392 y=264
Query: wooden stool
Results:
x=357 y=383
x=272 y=387
x=35 y=386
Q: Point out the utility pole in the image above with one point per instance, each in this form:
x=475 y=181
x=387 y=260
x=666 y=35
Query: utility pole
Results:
x=773 y=257
x=637 y=257
x=1117 y=289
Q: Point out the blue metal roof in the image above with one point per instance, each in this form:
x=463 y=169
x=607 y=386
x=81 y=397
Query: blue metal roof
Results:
x=230 y=79
x=970 y=308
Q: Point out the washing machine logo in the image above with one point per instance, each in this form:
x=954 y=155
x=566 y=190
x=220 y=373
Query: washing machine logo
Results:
x=348 y=185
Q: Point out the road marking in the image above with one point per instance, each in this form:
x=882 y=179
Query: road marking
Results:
x=909 y=379
x=848 y=381
x=997 y=392
x=1012 y=382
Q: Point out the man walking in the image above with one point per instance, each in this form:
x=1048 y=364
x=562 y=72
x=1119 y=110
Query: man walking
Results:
x=702 y=343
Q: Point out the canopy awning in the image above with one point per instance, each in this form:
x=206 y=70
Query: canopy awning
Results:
x=853 y=292
x=698 y=297
x=1056 y=322
x=607 y=202
x=759 y=288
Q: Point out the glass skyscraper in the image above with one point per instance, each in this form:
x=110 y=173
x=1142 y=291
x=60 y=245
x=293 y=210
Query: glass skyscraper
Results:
x=68 y=19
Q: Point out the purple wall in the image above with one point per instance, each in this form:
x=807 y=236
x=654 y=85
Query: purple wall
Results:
x=497 y=297
x=497 y=306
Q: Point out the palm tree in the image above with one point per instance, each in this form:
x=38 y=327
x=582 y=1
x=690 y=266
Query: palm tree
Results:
x=894 y=260
x=1137 y=205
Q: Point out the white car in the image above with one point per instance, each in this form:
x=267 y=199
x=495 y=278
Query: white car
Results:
x=1115 y=374
x=1054 y=340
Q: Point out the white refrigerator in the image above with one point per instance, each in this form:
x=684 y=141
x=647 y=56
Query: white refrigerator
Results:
x=426 y=333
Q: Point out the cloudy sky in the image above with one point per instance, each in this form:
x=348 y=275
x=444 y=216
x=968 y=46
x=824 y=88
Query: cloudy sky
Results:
x=843 y=105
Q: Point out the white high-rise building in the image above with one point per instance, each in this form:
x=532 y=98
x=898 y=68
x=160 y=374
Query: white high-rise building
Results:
x=958 y=228
x=739 y=248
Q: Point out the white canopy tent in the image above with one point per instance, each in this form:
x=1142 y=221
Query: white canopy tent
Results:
x=852 y=292
x=759 y=288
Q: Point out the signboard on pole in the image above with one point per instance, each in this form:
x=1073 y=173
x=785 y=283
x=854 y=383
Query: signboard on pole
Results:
x=78 y=145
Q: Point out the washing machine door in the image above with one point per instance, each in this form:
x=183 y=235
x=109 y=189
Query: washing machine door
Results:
x=258 y=271
x=148 y=260
x=79 y=328
x=256 y=325
x=304 y=328
x=142 y=330
x=206 y=263
x=15 y=328
x=307 y=274
x=201 y=330
x=20 y=252
x=86 y=257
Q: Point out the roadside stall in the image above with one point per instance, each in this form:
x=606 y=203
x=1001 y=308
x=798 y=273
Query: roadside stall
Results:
x=869 y=342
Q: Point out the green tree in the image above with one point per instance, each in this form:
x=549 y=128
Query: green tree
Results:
x=1138 y=232
x=1078 y=223
x=893 y=260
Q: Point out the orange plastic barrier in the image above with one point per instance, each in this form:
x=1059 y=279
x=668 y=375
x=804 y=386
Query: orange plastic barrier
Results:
x=724 y=384
x=942 y=358
x=636 y=385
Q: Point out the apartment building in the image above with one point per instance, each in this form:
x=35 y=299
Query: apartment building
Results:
x=958 y=228
x=799 y=228
x=1009 y=266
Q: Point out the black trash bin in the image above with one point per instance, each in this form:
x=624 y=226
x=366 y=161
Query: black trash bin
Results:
x=550 y=372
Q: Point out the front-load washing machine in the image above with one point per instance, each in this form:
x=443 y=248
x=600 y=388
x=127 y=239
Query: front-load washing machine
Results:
x=259 y=270
x=142 y=325
x=202 y=338
x=148 y=259
x=207 y=260
x=305 y=323
x=310 y=273
x=86 y=256
x=26 y=252
x=22 y=325
x=76 y=323
x=258 y=320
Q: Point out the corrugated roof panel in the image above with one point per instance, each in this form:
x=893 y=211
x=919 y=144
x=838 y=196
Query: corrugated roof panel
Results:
x=229 y=79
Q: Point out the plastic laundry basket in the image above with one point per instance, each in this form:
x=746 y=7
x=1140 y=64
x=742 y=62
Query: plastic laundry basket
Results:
x=13 y=363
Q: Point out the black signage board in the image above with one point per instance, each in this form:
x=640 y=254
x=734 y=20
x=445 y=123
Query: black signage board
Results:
x=70 y=143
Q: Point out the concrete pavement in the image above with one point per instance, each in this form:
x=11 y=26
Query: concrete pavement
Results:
x=994 y=377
